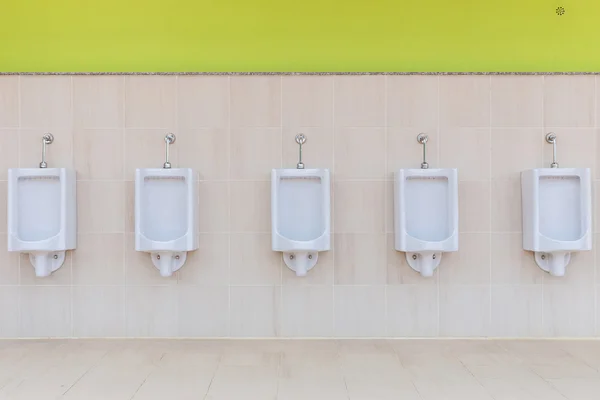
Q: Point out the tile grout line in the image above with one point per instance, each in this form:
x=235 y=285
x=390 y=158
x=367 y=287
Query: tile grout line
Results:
x=385 y=204
x=595 y=250
x=228 y=213
x=69 y=254
x=490 y=320
x=279 y=313
x=543 y=284
x=439 y=134
x=332 y=206
x=126 y=235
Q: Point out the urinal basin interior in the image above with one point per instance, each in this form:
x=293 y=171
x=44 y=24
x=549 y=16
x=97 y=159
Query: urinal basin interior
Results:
x=163 y=207
x=38 y=203
x=428 y=214
x=300 y=208
x=560 y=208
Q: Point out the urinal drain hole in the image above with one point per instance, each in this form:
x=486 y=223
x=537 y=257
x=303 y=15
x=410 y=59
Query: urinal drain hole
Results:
x=543 y=256
x=291 y=256
x=56 y=256
x=177 y=257
x=310 y=256
x=158 y=257
x=414 y=256
x=434 y=256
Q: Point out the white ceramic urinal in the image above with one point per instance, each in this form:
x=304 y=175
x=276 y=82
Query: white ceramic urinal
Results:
x=166 y=209
x=42 y=214
x=557 y=213
x=300 y=214
x=426 y=214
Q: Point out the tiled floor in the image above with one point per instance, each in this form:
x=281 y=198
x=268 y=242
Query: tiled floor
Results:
x=294 y=369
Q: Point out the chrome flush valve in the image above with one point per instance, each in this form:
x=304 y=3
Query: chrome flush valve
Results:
x=423 y=138
x=300 y=139
x=48 y=138
x=169 y=139
x=551 y=138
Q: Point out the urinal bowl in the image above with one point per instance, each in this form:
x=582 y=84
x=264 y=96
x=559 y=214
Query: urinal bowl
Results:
x=42 y=215
x=556 y=215
x=300 y=215
x=166 y=202
x=426 y=216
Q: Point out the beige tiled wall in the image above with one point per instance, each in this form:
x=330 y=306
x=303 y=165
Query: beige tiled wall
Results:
x=233 y=130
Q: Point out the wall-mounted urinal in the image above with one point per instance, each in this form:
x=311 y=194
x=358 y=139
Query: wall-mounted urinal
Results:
x=42 y=213
x=426 y=214
x=300 y=214
x=166 y=208
x=557 y=213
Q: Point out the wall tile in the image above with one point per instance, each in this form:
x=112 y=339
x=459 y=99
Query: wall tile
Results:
x=46 y=102
x=58 y=155
x=412 y=310
x=62 y=276
x=253 y=262
x=470 y=265
x=99 y=311
x=250 y=206
x=468 y=150
x=474 y=206
x=205 y=150
x=359 y=101
x=398 y=270
x=307 y=101
x=307 y=311
x=255 y=311
x=576 y=148
x=204 y=311
x=98 y=154
x=150 y=102
x=98 y=259
x=360 y=259
x=517 y=101
x=139 y=269
x=569 y=101
x=254 y=152
x=209 y=265
x=98 y=101
x=129 y=205
x=3 y=206
x=317 y=151
x=516 y=311
x=506 y=205
x=510 y=263
x=359 y=311
x=412 y=101
x=202 y=101
x=464 y=310
x=359 y=207
x=100 y=207
x=45 y=311
x=152 y=311
x=9 y=312
x=560 y=302
x=145 y=148
x=358 y=153
x=9 y=101
x=403 y=150
x=464 y=101
x=9 y=139
x=9 y=264
x=255 y=101
x=214 y=207
x=515 y=150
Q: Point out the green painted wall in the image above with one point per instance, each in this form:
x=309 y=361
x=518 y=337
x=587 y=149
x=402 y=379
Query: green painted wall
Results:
x=308 y=35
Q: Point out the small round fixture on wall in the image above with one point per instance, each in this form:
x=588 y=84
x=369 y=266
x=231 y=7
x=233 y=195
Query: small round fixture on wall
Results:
x=560 y=11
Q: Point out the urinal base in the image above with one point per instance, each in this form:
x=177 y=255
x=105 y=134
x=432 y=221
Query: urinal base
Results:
x=542 y=259
x=413 y=260
x=180 y=257
x=56 y=258
x=292 y=260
